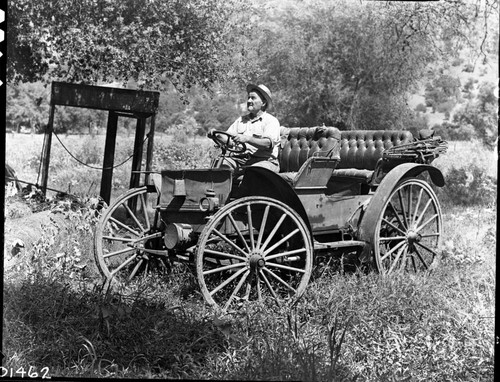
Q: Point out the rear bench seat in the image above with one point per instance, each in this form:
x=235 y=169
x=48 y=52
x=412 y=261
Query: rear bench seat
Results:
x=359 y=151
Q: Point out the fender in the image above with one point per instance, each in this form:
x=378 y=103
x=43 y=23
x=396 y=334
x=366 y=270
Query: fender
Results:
x=366 y=228
x=259 y=181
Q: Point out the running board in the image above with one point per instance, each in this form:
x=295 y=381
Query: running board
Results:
x=339 y=244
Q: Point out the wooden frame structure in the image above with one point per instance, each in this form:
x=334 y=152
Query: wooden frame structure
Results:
x=118 y=102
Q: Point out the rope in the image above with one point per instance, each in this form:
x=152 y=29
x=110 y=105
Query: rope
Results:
x=100 y=168
x=11 y=179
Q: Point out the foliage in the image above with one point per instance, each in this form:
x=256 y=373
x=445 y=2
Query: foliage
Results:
x=443 y=93
x=476 y=119
x=150 y=42
x=218 y=110
x=328 y=60
x=421 y=107
x=27 y=104
x=449 y=131
x=178 y=155
x=344 y=63
x=432 y=326
x=206 y=110
x=416 y=122
x=469 y=185
x=469 y=86
x=481 y=114
x=81 y=120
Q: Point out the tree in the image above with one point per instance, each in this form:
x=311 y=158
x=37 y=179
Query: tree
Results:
x=152 y=42
x=27 y=104
x=443 y=93
x=481 y=115
x=328 y=59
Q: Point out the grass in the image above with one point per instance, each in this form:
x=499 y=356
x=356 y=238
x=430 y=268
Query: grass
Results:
x=23 y=153
x=462 y=153
x=433 y=326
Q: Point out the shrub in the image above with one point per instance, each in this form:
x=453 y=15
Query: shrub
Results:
x=457 y=61
x=469 y=85
x=89 y=152
x=455 y=132
x=469 y=68
x=421 y=107
x=469 y=185
x=445 y=107
x=462 y=133
x=482 y=115
x=442 y=93
x=180 y=156
x=418 y=122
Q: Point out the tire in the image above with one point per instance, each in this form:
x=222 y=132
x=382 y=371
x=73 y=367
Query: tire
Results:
x=127 y=240
x=409 y=228
x=255 y=248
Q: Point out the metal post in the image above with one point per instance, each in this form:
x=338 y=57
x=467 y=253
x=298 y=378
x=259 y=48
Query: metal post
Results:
x=137 y=158
x=109 y=157
x=47 y=142
x=150 y=148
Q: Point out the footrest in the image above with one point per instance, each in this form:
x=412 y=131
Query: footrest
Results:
x=339 y=244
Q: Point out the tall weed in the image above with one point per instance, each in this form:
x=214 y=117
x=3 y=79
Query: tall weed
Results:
x=433 y=326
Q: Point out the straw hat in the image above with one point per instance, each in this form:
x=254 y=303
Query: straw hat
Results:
x=263 y=90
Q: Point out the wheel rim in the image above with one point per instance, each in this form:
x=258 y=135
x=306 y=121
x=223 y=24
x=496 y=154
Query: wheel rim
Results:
x=252 y=249
x=409 y=230
x=127 y=241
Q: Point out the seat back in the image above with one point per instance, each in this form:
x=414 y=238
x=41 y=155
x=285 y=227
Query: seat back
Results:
x=300 y=143
x=361 y=149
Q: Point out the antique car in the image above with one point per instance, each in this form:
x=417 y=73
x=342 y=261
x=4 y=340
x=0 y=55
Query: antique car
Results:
x=256 y=234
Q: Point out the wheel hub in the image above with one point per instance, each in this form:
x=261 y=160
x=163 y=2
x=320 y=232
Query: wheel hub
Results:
x=256 y=261
x=413 y=237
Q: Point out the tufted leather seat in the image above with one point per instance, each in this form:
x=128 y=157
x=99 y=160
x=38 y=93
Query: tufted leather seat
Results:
x=361 y=149
x=301 y=143
x=308 y=156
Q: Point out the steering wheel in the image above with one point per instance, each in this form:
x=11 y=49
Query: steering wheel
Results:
x=228 y=143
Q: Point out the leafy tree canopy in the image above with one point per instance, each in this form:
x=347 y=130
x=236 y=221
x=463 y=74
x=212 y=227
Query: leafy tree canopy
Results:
x=152 y=42
x=331 y=59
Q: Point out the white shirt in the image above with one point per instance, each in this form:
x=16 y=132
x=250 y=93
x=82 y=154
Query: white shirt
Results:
x=264 y=126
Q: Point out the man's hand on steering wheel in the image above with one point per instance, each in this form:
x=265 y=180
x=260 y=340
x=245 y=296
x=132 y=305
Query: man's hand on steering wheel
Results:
x=227 y=142
x=241 y=138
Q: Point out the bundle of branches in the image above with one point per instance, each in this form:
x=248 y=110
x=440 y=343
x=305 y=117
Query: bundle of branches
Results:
x=421 y=151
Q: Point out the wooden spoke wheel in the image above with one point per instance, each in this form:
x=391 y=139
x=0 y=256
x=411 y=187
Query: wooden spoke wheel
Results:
x=128 y=241
x=253 y=249
x=409 y=229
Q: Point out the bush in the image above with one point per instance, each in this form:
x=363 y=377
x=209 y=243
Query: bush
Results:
x=469 y=186
x=421 y=107
x=457 y=61
x=469 y=68
x=445 y=107
x=442 y=93
x=89 y=153
x=469 y=85
x=454 y=132
x=482 y=115
x=178 y=155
